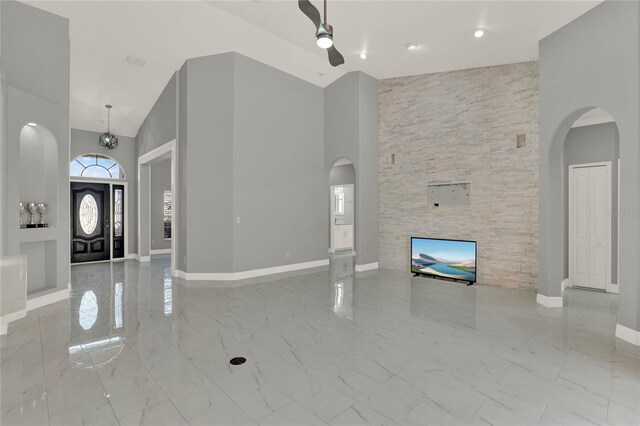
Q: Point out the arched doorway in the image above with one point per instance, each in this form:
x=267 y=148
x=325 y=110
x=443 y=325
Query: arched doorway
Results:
x=591 y=153
x=580 y=194
x=342 y=207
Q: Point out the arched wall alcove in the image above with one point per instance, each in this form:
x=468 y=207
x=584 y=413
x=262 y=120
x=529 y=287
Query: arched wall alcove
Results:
x=38 y=180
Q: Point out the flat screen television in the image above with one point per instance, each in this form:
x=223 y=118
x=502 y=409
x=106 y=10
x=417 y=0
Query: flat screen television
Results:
x=452 y=259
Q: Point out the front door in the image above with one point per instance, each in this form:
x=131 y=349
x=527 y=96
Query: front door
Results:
x=90 y=233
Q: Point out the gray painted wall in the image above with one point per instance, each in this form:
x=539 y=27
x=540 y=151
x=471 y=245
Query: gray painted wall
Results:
x=182 y=177
x=35 y=68
x=160 y=126
x=160 y=182
x=35 y=51
x=86 y=142
x=278 y=168
x=590 y=144
x=208 y=164
x=591 y=62
x=351 y=132
x=3 y=145
x=342 y=175
x=245 y=132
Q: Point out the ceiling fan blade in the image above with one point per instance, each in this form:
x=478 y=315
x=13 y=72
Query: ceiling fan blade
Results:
x=335 y=58
x=312 y=13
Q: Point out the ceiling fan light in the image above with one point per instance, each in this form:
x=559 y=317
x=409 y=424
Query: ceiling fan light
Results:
x=324 y=41
x=479 y=32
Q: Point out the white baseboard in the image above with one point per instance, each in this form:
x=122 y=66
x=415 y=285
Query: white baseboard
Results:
x=234 y=276
x=367 y=267
x=131 y=256
x=47 y=299
x=613 y=288
x=564 y=284
x=6 y=319
x=143 y=258
x=160 y=251
x=549 y=302
x=628 y=334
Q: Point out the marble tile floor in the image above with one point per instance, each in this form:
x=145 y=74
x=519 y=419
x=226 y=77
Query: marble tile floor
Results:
x=134 y=346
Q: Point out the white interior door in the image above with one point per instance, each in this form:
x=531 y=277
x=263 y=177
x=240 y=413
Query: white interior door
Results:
x=579 y=221
x=590 y=225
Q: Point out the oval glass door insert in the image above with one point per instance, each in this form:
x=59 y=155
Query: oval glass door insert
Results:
x=88 y=213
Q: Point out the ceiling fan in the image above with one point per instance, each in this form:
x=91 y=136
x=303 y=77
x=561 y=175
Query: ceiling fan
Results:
x=324 y=31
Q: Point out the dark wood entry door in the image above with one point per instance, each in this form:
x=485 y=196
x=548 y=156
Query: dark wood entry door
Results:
x=91 y=212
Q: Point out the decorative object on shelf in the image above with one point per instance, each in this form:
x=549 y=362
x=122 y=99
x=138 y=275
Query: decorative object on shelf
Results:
x=42 y=208
x=108 y=140
x=22 y=209
x=32 y=209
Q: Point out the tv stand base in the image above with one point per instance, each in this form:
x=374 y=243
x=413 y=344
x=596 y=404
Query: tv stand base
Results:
x=416 y=274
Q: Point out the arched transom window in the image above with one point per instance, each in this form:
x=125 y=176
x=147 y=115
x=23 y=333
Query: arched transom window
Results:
x=95 y=166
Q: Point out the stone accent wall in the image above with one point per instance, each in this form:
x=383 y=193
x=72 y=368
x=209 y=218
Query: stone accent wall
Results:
x=461 y=126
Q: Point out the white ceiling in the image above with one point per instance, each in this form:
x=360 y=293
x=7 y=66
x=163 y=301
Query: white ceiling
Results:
x=166 y=33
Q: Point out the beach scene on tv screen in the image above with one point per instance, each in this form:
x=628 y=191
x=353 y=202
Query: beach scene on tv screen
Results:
x=444 y=258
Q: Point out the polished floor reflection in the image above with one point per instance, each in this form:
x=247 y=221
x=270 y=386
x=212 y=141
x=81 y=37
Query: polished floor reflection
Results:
x=135 y=346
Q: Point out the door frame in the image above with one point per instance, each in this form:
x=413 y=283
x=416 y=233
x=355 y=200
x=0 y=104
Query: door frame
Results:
x=109 y=182
x=168 y=150
x=571 y=195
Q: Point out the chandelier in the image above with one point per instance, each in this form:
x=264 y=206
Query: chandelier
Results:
x=108 y=140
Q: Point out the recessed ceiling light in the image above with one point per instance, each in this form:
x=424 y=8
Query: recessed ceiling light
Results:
x=32 y=124
x=479 y=32
x=363 y=55
x=412 y=46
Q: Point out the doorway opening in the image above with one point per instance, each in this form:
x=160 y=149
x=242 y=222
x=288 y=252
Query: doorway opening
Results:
x=98 y=209
x=157 y=198
x=342 y=214
x=591 y=155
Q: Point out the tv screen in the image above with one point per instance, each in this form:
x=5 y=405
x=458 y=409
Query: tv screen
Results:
x=452 y=259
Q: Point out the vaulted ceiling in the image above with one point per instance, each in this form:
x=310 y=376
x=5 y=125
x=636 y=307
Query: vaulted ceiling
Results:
x=124 y=52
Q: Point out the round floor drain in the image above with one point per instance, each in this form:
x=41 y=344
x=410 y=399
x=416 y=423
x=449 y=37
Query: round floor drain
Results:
x=238 y=360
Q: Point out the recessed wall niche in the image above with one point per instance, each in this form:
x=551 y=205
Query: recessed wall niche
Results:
x=39 y=171
x=41 y=265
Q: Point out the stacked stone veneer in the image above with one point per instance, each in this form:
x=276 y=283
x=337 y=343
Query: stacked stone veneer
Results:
x=454 y=127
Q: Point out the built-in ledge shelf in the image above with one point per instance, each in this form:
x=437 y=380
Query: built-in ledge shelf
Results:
x=41 y=292
x=30 y=235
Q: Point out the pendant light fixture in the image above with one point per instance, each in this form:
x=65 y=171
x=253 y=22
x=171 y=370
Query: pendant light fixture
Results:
x=108 y=140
